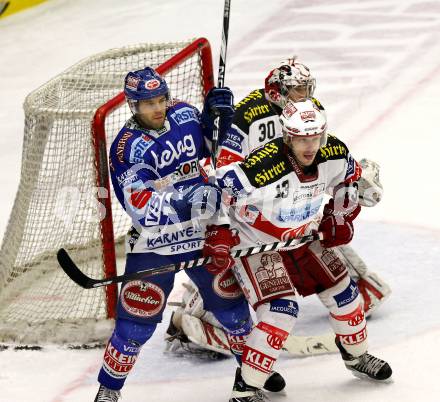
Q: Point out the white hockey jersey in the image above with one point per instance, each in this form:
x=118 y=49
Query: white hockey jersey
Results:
x=273 y=199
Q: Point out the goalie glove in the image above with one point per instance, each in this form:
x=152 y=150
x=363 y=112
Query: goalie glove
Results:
x=369 y=185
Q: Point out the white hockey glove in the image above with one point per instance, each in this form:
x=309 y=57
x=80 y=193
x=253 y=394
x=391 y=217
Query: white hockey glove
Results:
x=370 y=188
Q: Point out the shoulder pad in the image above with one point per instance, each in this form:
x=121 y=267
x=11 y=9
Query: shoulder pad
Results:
x=183 y=113
x=266 y=164
x=252 y=108
x=334 y=149
x=256 y=95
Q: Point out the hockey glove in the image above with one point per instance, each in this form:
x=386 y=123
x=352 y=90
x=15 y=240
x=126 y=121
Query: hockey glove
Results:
x=218 y=102
x=201 y=199
x=219 y=241
x=336 y=226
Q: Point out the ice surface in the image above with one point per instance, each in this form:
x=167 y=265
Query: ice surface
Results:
x=378 y=70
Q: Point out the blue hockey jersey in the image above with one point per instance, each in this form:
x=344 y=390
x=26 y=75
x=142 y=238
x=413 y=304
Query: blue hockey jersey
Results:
x=151 y=170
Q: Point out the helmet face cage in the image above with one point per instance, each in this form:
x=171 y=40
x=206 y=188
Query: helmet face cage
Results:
x=282 y=81
x=303 y=119
x=143 y=85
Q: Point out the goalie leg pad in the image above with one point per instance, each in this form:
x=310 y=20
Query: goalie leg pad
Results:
x=205 y=335
x=374 y=291
x=264 y=344
x=347 y=317
x=122 y=351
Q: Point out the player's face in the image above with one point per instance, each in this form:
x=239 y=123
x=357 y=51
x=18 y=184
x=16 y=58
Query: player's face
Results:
x=151 y=112
x=298 y=93
x=305 y=148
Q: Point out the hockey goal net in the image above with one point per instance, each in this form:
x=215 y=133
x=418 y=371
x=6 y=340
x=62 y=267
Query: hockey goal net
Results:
x=64 y=198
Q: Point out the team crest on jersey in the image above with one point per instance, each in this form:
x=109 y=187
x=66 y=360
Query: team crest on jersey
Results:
x=142 y=299
x=226 y=286
x=231 y=183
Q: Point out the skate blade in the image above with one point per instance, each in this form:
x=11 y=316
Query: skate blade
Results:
x=366 y=377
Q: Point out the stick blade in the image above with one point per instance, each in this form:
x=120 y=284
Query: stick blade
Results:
x=310 y=345
x=72 y=271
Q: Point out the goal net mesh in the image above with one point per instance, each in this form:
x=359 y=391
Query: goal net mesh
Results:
x=58 y=203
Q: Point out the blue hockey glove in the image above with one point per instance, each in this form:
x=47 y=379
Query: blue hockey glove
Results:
x=218 y=101
x=199 y=200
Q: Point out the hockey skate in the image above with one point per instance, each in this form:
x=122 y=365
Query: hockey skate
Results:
x=241 y=392
x=107 y=395
x=275 y=382
x=366 y=365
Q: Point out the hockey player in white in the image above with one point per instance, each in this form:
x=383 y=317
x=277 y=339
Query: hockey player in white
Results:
x=276 y=193
x=256 y=122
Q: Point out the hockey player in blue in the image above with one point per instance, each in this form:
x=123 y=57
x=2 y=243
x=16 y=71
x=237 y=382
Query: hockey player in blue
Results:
x=155 y=171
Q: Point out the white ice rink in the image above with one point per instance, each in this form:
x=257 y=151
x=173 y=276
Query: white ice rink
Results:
x=377 y=65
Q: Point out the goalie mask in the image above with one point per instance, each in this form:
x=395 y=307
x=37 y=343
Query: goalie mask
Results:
x=291 y=80
x=142 y=85
x=303 y=119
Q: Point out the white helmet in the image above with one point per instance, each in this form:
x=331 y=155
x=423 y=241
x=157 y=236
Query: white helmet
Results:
x=303 y=119
x=289 y=74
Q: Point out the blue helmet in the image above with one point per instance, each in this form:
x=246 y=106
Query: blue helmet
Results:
x=144 y=84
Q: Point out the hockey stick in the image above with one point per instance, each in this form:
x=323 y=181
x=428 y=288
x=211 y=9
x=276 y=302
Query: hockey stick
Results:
x=77 y=276
x=311 y=345
x=221 y=76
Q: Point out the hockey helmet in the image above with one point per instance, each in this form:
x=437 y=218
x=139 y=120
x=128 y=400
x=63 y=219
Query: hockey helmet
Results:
x=303 y=119
x=142 y=85
x=288 y=75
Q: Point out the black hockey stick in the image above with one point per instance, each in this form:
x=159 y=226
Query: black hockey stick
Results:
x=221 y=76
x=77 y=276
